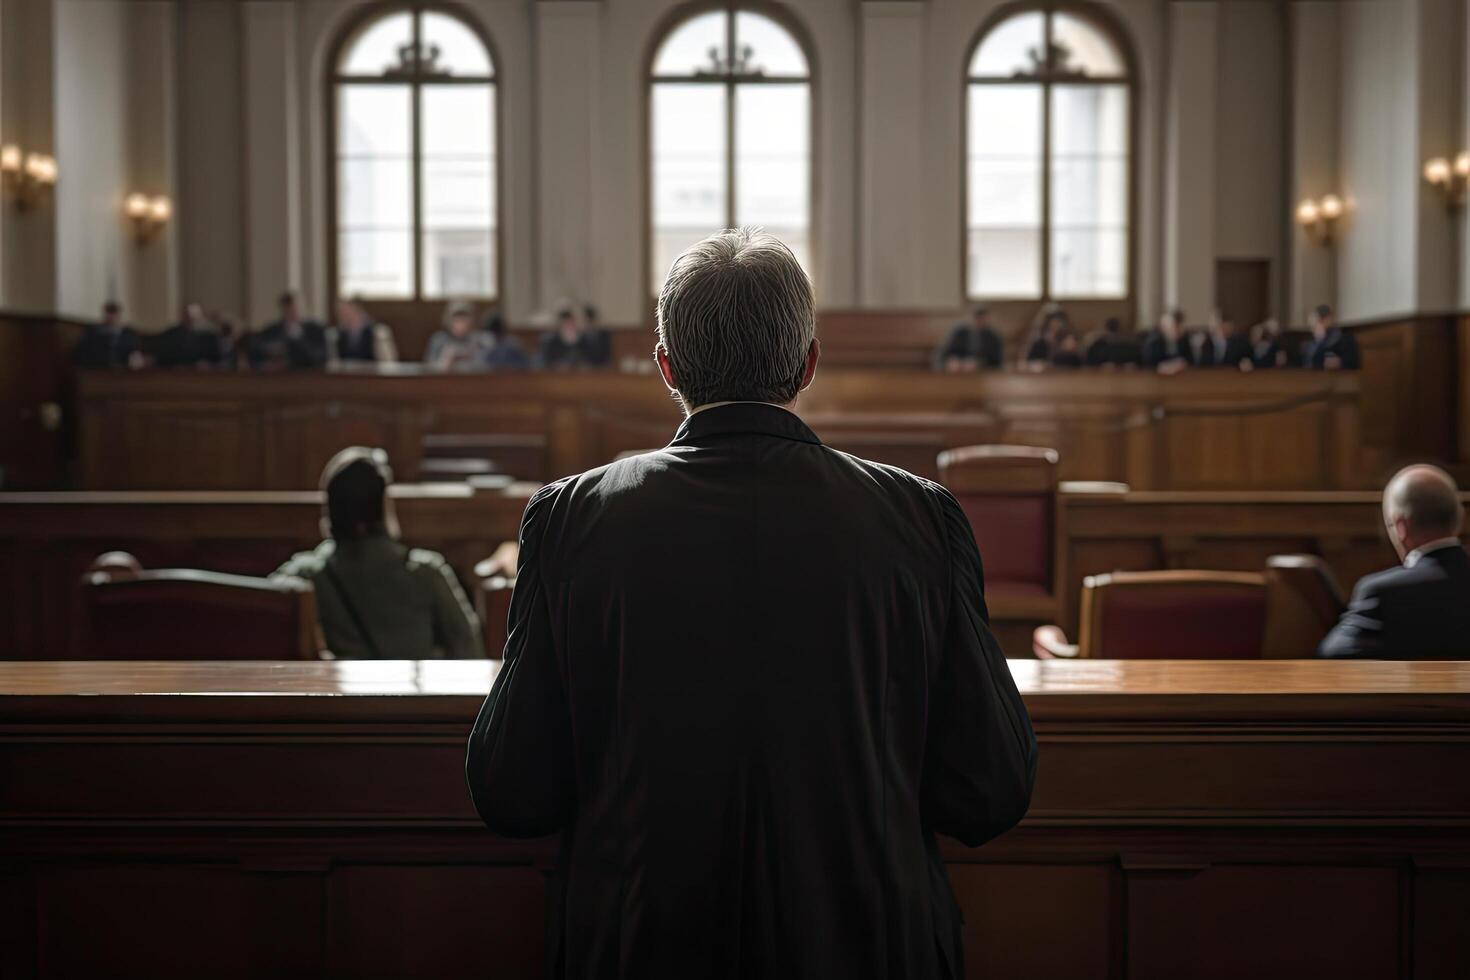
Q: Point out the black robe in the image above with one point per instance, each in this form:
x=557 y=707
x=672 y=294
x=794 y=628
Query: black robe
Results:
x=749 y=678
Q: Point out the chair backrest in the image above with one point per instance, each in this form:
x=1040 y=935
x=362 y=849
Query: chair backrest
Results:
x=188 y=614
x=1185 y=615
x=1303 y=602
x=495 y=582
x=1009 y=493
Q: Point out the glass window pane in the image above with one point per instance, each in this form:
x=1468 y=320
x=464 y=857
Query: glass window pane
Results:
x=1011 y=47
x=1004 y=173
x=374 y=188
x=375 y=47
x=375 y=263
x=766 y=47
x=457 y=189
x=689 y=179
x=1089 y=190
x=773 y=161
x=1005 y=262
x=459 y=49
x=698 y=45
x=1084 y=48
x=1089 y=262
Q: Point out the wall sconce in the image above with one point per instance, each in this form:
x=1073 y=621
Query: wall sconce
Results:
x=148 y=214
x=1450 y=177
x=28 y=174
x=1319 y=217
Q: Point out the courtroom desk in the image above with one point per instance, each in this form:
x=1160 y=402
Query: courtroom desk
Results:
x=1205 y=430
x=47 y=541
x=1140 y=531
x=1190 y=819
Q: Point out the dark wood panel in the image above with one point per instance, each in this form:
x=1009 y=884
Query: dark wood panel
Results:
x=1206 y=430
x=1297 y=823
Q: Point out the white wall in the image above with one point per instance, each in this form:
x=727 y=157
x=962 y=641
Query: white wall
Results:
x=92 y=152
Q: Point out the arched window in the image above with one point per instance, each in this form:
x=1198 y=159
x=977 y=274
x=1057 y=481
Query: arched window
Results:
x=414 y=158
x=1047 y=160
x=730 y=133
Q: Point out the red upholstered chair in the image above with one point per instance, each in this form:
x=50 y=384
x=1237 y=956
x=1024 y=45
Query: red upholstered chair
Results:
x=188 y=614
x=1009 y=493
x=496 y=581
x=1166 y=615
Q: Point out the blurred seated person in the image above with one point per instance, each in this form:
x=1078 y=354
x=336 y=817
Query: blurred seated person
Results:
x=601 y=338
x=570 y=345
x=457 y=345
x=971 y=345
x=1267 y=348
x=1165 y=349
x=194 y=341
x=1420 y=610
x=357 y=337
x=376 y=598
x=292 y=343
x=1066 y=350
x=1052 y=321
x=1220 y=344
x=1332 y=348
x=502 y=351
x=1110 y=347
x=110 y=343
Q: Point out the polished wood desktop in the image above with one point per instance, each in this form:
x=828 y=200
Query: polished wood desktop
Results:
x=1204 y=430
x=1203 y=820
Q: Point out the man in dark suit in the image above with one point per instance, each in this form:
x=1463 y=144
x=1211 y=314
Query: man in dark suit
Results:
x=292 y=343
x=1420 y=610
x=749 y=677
x=192 y=342
x=971 y=345
x=1110 y=347
x=108 y=344
x=1332 y=348
x=1165 y=349
x=572 y=344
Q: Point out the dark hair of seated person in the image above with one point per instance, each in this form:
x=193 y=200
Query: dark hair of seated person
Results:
x=356 y=484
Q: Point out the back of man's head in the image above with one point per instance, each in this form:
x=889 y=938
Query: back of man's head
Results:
x=737 y=318
x=1421 y=504
x=356 y=484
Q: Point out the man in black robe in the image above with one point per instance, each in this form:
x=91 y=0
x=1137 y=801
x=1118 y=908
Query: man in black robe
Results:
x=749 y=677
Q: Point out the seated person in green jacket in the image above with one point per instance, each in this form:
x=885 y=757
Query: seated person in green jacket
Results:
x=376 y=598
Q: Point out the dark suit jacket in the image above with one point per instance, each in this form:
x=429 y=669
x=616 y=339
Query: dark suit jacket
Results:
x=359 y=346
x=1106 y=348
x=1336 y=341
x=184 y=346
x=1156 y=351
x=1419 y=613
x=592 y=348
x=104 y=348
x=274 y=346
x=751 y=677
x=983 y=346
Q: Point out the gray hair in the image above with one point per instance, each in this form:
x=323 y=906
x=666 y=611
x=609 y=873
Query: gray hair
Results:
x=736 y=316
x=1426 y=498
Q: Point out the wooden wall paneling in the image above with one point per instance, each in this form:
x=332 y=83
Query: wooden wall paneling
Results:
x=1124 y=426
x=1222 y=923
x=1033 y=920
x=1441 y=907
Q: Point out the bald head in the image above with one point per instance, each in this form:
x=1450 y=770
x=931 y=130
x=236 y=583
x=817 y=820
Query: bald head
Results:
x=1421 y=504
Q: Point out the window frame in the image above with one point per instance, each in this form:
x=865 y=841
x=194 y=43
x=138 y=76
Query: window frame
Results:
x=351 y=29
x=671 y=22
x=1107 y=25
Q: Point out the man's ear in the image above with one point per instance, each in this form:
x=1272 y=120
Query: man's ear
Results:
x=665 y=369
x=813 y=354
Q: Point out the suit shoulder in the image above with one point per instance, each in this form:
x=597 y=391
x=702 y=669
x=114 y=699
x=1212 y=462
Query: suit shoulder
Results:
x=427 y=559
